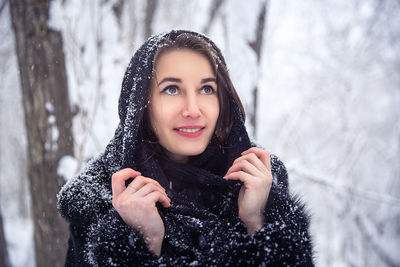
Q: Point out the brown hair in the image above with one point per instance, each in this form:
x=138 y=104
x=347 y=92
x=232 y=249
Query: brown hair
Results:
x=224 y=83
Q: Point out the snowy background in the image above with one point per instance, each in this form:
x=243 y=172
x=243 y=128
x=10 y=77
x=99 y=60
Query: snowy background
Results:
x=328 y=105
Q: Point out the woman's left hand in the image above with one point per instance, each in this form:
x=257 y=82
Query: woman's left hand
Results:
x=253 y=168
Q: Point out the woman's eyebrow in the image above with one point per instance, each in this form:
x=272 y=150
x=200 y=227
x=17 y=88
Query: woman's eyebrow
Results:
x=177 y=80
x=170 y=79
x=206 y=80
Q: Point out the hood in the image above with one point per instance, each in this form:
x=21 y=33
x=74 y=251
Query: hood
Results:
x=88 y=193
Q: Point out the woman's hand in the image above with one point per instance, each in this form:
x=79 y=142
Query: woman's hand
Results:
x=136 y=204
x=253 y=168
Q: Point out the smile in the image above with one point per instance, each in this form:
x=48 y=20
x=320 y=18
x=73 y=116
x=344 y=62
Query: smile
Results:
x=190 y=131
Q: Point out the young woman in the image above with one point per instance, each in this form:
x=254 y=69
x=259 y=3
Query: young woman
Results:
x=180 y=183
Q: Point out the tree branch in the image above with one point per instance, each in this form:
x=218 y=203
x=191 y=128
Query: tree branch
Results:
x=371 y=240
x=364 y=194
x=214 y=10
x=2 y=5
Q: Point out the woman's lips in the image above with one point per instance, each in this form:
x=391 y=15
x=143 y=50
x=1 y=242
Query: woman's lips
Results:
x=191 y=131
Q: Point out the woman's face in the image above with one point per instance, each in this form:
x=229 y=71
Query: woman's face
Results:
x=184 y=104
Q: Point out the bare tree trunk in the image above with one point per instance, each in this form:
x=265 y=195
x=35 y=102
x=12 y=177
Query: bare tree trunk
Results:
x=150 y=9
x=47 y=119
x=3 y=245
x=117 y=8
x=256 y=45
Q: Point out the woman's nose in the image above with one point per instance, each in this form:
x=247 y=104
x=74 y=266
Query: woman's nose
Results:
x=191 y=108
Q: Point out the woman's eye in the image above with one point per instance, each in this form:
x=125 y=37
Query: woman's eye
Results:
x=171 y=90
x=207 y=90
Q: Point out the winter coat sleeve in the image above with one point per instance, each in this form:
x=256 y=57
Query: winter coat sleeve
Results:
x=107 y=241
x=110 y=242
x=98 y=235
x=284 y=239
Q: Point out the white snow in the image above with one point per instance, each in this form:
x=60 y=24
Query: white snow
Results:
x=49 y=107
x=67 y=167
x=20 y=242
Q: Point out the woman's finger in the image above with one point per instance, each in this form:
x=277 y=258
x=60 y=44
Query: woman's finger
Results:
x=253 y=159
x=245 y=166
x=241 y=176
x=135 y=185
x=262 y=154
x=118 y=180
x=132 y=193
x=139 y=182
x=148 y=188
x=157 y=196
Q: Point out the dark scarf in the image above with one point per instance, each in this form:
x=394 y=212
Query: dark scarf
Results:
x=200 y=179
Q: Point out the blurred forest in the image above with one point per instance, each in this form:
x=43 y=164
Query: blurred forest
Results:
x=320 y=82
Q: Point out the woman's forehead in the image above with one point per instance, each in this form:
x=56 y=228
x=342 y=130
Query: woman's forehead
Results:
x=183 y=61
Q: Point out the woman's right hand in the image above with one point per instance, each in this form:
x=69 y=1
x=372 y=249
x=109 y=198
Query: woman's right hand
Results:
x=136 y=204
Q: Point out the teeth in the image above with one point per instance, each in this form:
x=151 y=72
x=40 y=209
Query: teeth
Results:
x=189 y=130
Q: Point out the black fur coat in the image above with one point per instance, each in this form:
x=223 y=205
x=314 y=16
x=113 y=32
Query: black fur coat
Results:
x=202 y=226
